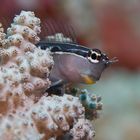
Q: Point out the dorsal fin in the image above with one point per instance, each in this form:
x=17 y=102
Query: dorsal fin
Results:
x=58 y=37
x=54 y=29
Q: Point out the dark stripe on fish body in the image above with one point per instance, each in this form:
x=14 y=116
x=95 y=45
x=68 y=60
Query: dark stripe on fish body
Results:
x=64 y=47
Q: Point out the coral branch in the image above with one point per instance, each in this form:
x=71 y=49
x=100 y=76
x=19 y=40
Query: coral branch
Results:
x=24 y=67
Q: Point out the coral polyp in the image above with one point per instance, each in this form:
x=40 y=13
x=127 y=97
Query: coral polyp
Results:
x=27 y=111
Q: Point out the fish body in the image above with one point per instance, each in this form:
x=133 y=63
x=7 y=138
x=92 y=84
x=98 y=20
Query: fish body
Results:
x=75 y=63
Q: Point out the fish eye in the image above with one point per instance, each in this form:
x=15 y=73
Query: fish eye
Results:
x=94 y=56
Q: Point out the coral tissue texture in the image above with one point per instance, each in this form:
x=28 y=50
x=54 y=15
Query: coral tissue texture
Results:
x=27 y=112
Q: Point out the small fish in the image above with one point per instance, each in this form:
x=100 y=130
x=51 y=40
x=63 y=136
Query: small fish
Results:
x=74 y=63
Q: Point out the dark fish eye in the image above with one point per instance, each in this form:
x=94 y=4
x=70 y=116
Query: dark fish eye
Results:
x=94 y=56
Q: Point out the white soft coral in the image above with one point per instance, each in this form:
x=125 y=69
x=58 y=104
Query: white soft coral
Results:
x=24 y=68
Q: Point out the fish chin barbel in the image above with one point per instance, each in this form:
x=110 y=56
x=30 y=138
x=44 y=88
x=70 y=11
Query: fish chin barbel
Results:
x=113 y=60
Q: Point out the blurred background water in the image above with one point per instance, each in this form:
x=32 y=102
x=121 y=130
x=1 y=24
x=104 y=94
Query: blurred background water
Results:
x=114 y=27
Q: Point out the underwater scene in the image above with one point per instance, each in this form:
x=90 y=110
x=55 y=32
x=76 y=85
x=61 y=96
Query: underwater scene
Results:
x=69 y=70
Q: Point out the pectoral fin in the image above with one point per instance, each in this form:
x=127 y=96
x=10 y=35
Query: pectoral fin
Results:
x=87 y=79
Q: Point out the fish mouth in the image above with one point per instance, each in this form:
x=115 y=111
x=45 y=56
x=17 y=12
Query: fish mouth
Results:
x=108 y=62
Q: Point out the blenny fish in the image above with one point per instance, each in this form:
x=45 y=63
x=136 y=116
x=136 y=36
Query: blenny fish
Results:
x=74 y=63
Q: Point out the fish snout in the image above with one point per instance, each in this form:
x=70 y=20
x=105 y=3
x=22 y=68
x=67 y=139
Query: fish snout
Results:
x=108 y=61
